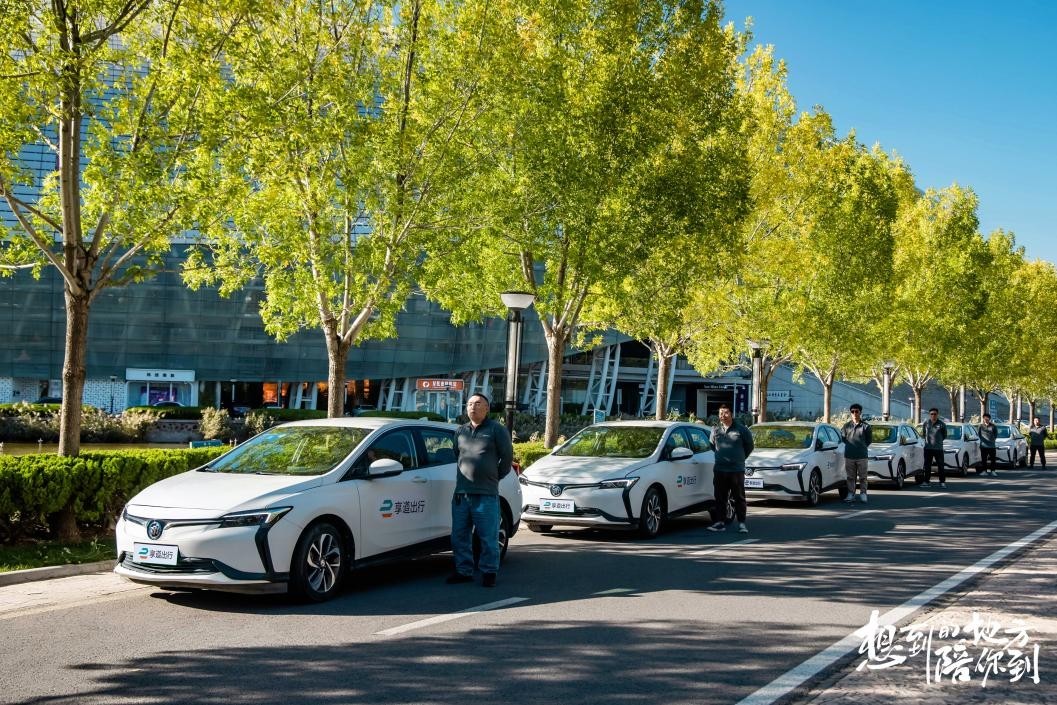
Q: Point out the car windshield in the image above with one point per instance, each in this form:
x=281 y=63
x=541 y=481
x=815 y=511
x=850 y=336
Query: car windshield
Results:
x=954 y=433
x=782 y=436
x=292 y=450
x=884 y=434
x=1003 y=431
x=613 y=442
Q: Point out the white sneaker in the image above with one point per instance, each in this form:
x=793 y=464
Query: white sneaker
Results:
x=862 y=498
x=742 y=529
x=718 y=526
x=850 y=498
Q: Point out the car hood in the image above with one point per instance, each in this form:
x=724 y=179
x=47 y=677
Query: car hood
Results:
x=883 y=448
x=207 y=493
x=554 y=468
x=773 y=457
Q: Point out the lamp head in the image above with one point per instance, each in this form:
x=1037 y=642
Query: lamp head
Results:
x=517 y=300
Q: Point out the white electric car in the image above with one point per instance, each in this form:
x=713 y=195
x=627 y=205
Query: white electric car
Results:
x=298 y=506
x=896 y=453
x=625 y=474
x=795 y=460
x=1011 y=448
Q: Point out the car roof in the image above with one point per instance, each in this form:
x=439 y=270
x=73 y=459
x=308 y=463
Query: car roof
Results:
x=646 y=423
x=371 y=422
x=780 y=424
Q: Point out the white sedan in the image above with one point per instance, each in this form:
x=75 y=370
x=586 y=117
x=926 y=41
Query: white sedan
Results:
x=298 y=506
x=624 y=474
x=961 y=450
x=897 y=452
x=795 y=460
x=1011 y=448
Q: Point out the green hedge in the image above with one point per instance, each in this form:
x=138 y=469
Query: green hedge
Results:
x=97 y=483
x=529 y=452
x=179 y=413
x=284 y=415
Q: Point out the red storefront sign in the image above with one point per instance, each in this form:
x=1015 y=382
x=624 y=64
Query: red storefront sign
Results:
x=439 y=385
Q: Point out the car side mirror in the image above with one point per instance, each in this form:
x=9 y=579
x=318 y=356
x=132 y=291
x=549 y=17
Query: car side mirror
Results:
x=384 y=467
x=818 y=444
x=681 y=454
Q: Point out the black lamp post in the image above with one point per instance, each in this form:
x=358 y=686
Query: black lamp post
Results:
x=516 y=302
x=113 y=379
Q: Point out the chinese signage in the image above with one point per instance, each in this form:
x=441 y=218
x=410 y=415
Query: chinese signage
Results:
x=439 y=385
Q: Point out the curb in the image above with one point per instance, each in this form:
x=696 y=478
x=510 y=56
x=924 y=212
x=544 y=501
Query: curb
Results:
x=16 y=577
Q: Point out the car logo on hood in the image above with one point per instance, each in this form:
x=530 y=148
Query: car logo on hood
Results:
x=556 y=490
x=154 y=529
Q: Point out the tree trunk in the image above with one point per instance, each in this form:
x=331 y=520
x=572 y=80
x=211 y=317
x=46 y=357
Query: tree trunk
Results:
x=983 y=404
x=337 y=355
x=664 y=365
x=64 y=522
x=952 y=393
x=1033 y=406
x=827 y=401
x=917 y=404
x=555 y=359
x=765 y=378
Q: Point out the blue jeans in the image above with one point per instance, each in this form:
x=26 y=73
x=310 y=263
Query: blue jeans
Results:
x=470 y=511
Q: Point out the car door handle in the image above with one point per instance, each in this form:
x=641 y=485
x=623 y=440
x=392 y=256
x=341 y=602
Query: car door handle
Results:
x=419 y=479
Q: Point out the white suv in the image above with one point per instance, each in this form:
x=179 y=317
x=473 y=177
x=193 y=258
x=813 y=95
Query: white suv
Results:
x=795 y=460
x=298 y=506
x=896 y=452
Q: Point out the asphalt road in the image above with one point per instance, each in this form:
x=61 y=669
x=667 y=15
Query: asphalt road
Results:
x=578 y=616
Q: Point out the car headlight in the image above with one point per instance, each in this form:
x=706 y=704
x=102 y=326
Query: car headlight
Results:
x=882 y=457
x=256 y=517
x=622 y=483
x=795 y=467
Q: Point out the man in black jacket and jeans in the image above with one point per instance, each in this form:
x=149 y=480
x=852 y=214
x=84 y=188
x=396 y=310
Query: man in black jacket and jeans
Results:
x=732 y=442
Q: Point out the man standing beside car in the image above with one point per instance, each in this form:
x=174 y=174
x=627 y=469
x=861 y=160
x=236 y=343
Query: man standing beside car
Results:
x=935 y=433
x=988 y=433
x=733 y=443
x=1037 y=432
x=857 y=436
x=483 y=454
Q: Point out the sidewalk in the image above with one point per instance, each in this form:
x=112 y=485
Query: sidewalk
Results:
x=75 y=587
x=1022 y=594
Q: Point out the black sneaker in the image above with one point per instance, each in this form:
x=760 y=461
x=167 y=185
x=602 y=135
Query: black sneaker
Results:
x=488 y=580
x=456 y=578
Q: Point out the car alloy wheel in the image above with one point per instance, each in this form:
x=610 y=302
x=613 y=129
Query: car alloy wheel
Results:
x=814 y=489
x=901 y=475
x=652 y=517
x=319 y=560
x=965 y=466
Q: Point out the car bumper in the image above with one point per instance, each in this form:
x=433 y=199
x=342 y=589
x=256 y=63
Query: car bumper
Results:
x=212 y=579
x=777 y=484
x=592 y=506
x=1005 y=456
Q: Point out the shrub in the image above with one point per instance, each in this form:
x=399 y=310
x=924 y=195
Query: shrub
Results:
x=97 y=484
x=258 y=420
x=183 y=413
x=215 y=423
x=529 y=452
x=28 y=423
x=284 y=415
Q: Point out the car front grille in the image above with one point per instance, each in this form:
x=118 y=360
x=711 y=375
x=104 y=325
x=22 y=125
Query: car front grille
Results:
x=184 y=566
x=578 y=512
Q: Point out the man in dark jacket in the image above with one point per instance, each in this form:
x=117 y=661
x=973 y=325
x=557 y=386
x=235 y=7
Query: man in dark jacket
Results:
x=484 y=453
x=857 y=436
x=1037 y=433
x=733 y=443
x=935 y=432
x=988 y=433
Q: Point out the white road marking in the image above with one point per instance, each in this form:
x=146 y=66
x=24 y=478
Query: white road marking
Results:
x=615 y=591
x=794 y=678
x=858 y=514
x=450 y=616
x=724 y=547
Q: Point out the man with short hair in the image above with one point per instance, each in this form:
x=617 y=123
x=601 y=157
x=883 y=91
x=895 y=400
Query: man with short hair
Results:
x=857 y=436
x=935 y=433
x=484 y=453
x=1037 y=433
x=988 y=433
x=732 y=442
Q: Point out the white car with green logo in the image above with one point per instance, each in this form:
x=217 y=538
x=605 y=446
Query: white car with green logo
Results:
x=795 y=460
x=298 y=506
x=896 y=453
x=621 y=475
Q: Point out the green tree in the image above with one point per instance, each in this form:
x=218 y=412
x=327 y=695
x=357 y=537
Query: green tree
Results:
x=571 y=91
x=338 y=145
x=74 y=83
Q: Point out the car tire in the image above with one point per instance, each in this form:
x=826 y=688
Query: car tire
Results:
x=1024 y=461
x=814 y=489
x=505 y=530
x=842 y=492
x=963 y=471
x=653 y=515
x=919 y=477
x=901 y=475
x=318 y=564
x=540 y=528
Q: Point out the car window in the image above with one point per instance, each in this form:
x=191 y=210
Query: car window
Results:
x=396 y=445
x=765 y=436
x=698 y=439
x=613 y=442
x=884 y=434
x=954 y=433
x=970 y=433
x=909 y=434
x=291 y=450
x=1003 y=432
x=439 y=445
x=676 y=439
x=830 y=435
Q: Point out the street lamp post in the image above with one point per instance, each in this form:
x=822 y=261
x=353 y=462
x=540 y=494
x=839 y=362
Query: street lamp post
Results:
x=886 y=391
x=516 y=302
x=113 y=379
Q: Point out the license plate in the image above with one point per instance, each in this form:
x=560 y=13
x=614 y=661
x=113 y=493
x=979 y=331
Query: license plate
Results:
x=755 y=483
x=557 y=505
x=154 y=553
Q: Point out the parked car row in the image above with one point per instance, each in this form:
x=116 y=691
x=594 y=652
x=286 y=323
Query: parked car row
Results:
x=298 y=506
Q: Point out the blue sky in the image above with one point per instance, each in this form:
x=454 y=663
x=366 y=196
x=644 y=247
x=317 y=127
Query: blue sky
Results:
x=964 y=91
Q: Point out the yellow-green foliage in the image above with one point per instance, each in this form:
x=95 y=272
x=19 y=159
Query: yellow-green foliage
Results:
x=529 y=452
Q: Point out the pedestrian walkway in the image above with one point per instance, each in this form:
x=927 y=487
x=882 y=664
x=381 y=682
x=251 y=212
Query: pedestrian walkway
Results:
x=60 y=593
x=1020 y=597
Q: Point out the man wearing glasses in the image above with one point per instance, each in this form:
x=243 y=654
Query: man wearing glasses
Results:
x=484 y=453
x=857 y=437
x=935 y=432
